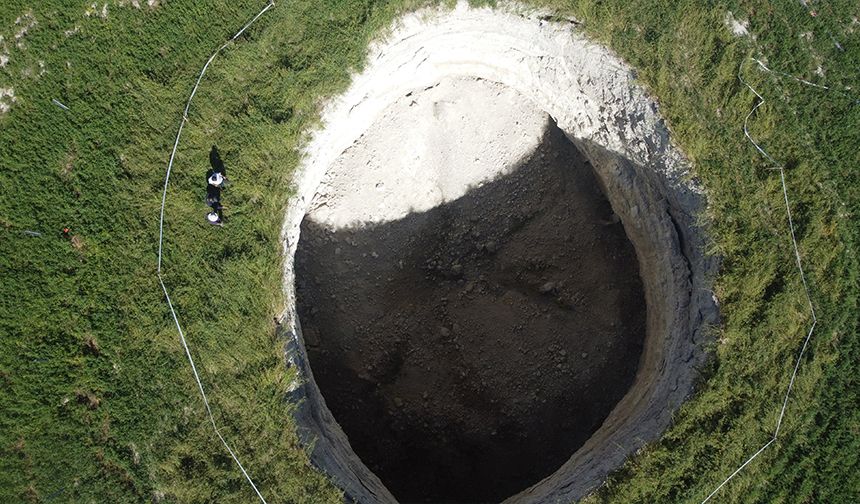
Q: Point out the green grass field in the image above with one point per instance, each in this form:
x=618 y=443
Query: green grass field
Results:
x=99 y=404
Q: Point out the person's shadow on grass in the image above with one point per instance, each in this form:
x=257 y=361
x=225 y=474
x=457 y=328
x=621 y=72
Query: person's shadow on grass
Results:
x=215 y=163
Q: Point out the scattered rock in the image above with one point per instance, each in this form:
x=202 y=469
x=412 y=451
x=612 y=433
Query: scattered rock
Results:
x=88 y=399
x=91 y=346
x=547 y=288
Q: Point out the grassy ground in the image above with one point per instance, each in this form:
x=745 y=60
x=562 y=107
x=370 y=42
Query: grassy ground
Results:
x=98 y=401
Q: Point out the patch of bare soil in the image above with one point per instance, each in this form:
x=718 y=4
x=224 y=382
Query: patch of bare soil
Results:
x=469 y=350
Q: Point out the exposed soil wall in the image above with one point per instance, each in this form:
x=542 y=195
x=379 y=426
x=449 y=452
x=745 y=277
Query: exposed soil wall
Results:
x=469 y=350
x=596 y=103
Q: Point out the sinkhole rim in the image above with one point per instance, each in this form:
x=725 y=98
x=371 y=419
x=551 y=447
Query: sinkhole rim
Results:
x=645 y=176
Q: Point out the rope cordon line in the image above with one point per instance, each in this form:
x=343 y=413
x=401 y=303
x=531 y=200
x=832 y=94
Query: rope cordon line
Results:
x=781 y=169
x=161 y=248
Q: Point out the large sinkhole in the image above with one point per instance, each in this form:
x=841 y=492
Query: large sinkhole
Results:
x=468 y=350
x=495 y=278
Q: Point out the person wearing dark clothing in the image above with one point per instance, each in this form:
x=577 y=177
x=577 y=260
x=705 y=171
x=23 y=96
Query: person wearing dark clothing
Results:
x=216 y=180
x=213 y=196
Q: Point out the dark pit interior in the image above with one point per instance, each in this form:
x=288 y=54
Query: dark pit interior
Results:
x=469 y=350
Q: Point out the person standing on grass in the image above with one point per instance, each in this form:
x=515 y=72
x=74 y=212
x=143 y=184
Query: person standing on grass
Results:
x=216 y=180
x=214 y=217
x=213 y=201
x=213 y=196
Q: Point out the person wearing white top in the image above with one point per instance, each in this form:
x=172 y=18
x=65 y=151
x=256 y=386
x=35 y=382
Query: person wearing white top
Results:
x=216 y=179
x=213 y=218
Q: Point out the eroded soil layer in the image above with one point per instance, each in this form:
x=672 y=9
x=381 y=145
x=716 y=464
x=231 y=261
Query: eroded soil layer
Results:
x=469 y=350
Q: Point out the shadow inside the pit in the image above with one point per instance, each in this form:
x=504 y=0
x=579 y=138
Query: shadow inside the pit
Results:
x=469 y=350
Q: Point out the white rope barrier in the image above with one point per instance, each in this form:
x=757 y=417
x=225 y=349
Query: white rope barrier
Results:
x=777 y=72
x=777 y=166
x=161 y=248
